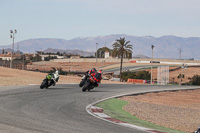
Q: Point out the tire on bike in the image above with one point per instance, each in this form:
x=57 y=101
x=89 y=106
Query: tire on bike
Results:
x=86 y=86
x=43 y=84
x=82 y=82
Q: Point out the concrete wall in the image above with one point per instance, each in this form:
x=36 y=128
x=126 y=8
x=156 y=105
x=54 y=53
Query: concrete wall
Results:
x=118 y=60
x=89 y=60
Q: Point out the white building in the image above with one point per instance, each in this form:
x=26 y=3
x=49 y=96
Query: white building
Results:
x=107 y=55
x=5 y=57
x=8 y=56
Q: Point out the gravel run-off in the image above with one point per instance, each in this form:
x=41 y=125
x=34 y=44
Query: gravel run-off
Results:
x=177 y=110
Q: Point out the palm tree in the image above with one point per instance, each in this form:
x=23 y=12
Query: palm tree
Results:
x=122 y=48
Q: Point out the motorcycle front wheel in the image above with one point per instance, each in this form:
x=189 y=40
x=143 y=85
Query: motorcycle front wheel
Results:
x=43 y=84
x=82 y=82
x=86 y=86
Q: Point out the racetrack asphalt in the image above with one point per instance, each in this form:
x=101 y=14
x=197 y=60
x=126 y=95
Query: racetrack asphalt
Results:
x=61 y=109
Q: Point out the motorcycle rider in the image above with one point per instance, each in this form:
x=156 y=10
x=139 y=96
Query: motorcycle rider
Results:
x=96 y=75
x=55 y=77
x=91 y=71
x=91 y=79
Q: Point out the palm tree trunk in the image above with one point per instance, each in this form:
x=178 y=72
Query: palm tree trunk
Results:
x=121 y=67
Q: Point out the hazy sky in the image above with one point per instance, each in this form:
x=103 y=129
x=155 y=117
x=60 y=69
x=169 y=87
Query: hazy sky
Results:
x=68 y=19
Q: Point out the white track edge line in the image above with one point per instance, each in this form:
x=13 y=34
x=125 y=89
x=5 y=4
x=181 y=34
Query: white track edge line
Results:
x=128 y=125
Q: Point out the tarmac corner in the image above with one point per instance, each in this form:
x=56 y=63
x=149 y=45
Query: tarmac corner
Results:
x=99 y=113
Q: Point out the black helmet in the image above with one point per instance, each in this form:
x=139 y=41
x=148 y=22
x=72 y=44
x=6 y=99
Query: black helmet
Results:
x=94 y=69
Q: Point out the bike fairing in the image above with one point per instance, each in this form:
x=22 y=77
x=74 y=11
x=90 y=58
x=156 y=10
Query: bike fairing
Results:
x=50 y=79
x=53 y=76
x=91 y=79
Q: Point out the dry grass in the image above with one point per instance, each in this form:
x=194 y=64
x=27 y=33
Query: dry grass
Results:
x=11 y=77
x=68 y=66
x=176 y=110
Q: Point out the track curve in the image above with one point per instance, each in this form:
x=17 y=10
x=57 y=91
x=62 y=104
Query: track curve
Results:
x=61 y=109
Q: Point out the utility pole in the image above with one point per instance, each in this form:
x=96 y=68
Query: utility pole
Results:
x=180 y=52
x=152 y=46
x=4 y=62
x=100 y=53
x=184 y=66
x=96 y=51
x=12 y=35
x=23 y=62
x=18 y=49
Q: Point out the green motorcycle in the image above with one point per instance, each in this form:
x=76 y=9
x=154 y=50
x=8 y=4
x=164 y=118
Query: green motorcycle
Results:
x=49 y=81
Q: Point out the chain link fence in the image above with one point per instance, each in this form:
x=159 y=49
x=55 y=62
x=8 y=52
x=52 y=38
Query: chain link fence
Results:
x=17 y=64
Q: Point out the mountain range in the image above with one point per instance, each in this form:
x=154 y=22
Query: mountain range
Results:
x=171 y=47
x=81 y=52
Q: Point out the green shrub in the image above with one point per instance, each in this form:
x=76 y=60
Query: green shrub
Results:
x=195 y=80
x=136 y=75
x=143 y=75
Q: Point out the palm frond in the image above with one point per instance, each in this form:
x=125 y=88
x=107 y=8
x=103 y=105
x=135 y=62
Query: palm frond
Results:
x=122 y=48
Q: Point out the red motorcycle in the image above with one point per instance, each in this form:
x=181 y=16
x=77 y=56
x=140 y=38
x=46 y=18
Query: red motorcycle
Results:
x=89 y=81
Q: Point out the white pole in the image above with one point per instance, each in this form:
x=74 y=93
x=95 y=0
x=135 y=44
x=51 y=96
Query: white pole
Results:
x=96 y=51
x=152 y=46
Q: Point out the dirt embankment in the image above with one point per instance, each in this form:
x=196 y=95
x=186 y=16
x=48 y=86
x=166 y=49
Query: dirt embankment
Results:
x=68 y=66
x=11 y=77
x=177 y=110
